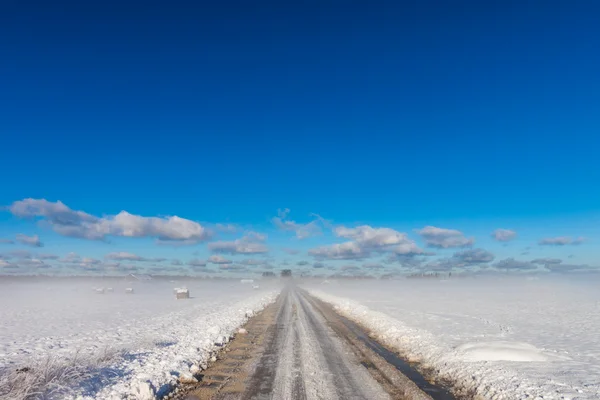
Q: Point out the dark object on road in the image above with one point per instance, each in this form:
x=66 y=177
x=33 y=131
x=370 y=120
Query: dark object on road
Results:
x=286 y=273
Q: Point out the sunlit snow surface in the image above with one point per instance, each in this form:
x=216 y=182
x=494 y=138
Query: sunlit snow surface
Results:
x=508 y=338
x=155 y=333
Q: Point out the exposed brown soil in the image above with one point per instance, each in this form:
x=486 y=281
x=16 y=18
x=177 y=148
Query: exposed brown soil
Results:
x=247 y=366
x=227 y=378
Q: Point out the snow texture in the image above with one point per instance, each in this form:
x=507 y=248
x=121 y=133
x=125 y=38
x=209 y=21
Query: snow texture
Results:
x=502 y=338
x=154 y=340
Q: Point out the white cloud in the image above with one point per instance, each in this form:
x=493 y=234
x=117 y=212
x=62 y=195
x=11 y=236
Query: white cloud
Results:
x=407 y=248
x=473 y=257
x=197 y=263
x=56 y=212
x=568 y=267
x=253 y=261
x=169 y=228
x=372 y=237
x=33 y=241
x=251 y=243
x=219 y=260
x=71 y=258
x=504 y=235
x=442 y=264
x=460 y=260
x=33 y=263
x=340 y=251
x=366 y=239
x=545 y=261
x=444 y=238
x=86 y=261
x=123 y=255
x=512 y=264
x=561 y=241
x=302 y=231
x=176 y=243
x=68 y=222
x=238 y=247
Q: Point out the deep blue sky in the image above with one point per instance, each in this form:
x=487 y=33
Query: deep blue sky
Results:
x=380 y=112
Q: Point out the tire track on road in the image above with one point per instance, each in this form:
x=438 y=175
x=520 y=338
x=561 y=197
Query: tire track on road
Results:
x=300 y=349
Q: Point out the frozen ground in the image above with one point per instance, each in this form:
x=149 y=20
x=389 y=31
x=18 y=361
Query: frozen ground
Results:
x=506 y=338
x=148 y=336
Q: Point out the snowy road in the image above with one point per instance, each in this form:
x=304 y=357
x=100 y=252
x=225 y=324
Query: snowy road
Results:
x=306 y=353
x=311 y=362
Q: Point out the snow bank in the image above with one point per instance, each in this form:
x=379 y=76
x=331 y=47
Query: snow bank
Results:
x=501 y=338
x=151 y=338
x=189 y=344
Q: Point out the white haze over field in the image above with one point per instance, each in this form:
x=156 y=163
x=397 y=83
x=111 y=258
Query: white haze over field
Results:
x=144 y=339
x=504 y=337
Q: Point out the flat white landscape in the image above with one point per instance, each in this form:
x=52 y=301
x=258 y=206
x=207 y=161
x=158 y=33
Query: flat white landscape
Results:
x=135 y=343
x=503 y=337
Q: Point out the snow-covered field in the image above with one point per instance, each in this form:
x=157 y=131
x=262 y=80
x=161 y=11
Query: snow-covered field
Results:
x=505 y=338
x=132 y=343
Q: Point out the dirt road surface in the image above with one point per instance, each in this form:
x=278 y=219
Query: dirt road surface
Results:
x=299 y=348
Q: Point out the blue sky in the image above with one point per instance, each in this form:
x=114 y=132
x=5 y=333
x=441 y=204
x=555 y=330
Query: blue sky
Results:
x=471 y=117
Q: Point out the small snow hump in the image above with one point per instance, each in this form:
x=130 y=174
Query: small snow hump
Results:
x=501 y=351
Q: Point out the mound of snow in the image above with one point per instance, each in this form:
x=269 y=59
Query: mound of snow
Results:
x=500 y=351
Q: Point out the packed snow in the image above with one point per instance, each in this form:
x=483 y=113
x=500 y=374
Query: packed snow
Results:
x=142 y=341
x=500 y=338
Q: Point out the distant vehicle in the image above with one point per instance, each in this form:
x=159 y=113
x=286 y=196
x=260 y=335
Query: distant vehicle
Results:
x=286 y=273
x=247 y=281
x=268 y=274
